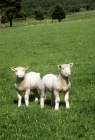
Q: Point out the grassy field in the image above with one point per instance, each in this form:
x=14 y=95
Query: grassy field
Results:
x=42 y=48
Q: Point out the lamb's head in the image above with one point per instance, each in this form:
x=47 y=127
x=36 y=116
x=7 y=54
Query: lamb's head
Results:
x=19 y=71
x=65 y=70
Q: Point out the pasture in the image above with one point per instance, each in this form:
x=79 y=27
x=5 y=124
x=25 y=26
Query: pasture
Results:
x=42 y=48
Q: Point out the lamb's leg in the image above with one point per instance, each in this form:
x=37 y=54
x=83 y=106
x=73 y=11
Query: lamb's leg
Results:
x=67 y=99
x=36 y=94
x=27 y=97
x=52 y=99
x=19 y=99
x=57 y=100
x=42 y=99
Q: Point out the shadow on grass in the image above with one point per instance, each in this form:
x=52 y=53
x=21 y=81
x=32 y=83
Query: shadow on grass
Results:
x=31 y=99
x=48 y=103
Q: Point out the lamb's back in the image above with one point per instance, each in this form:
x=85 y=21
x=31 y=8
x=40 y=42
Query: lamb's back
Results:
x=48 y=81
x=33 y=79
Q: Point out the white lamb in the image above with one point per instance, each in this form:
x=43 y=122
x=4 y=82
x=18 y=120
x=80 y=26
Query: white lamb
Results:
x=26 y=82
x=56 y=84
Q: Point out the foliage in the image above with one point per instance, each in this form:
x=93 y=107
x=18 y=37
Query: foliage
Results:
x=69 y=5
x=11 y=8
x=21 y=14
x=42 y=48
x=39 y=14
x=92 y=6
x=82 y=10
x=4 y=19
x=58 y=12
x=71 y=10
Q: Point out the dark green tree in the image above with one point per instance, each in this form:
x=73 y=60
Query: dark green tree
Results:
x=0 y=16
x=10 y=8
x=58 y=12
x=39 y=14
x=1 y=11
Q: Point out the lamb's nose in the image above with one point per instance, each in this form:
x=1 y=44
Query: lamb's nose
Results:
x=19 y=75
x=69 y=74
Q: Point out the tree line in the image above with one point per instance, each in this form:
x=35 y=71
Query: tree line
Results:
x=29 y=6
x=39 y=9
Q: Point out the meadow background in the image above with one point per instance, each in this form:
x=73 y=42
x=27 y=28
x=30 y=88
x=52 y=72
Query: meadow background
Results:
x=42 y=47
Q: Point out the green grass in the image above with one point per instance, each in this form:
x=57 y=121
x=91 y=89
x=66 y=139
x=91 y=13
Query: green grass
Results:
x=42 y=48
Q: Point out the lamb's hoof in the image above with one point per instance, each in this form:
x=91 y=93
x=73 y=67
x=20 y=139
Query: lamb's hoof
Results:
x=68 y=107
x=56 y=108
x=42 y=106
x=27 y=104
x=36 y=99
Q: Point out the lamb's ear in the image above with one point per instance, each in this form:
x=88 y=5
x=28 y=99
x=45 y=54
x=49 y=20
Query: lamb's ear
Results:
x=26 y=67
x=59 y=66
x=13 y=69
x=71 y=64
